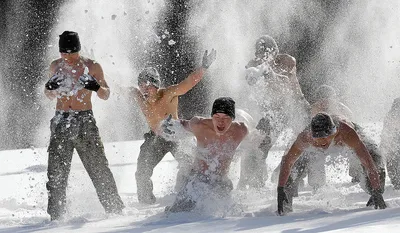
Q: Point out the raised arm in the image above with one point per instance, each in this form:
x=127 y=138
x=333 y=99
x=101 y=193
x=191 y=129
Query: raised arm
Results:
x=193 y=78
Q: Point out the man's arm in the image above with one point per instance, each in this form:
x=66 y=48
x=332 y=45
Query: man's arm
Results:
x=290 y=158
x=191 y=125
x=187 y=84
x=173 y=128
x=352 y=139
x=194 y=77
x=97 y=72
x=244 y=130
x=346 y=111
x=287 y=66
x=51 y=94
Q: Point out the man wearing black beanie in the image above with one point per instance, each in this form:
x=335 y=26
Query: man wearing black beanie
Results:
x=69 y=42
x=330 y=133
x=218 y=138
x=73 y=79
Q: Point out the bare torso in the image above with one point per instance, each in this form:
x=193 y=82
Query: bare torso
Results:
x=215 y=152
x=345 y=136
x=157 y=108
x=72 y=95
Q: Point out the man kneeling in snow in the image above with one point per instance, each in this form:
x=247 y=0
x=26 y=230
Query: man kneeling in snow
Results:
x=325 y=133
x=217 y=140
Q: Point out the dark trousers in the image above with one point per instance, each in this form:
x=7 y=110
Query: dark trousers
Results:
x=152 y=151
x=78 y=130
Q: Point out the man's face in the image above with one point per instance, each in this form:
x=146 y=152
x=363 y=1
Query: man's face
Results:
x=264 y=53
x=70 y=58
x=323 y=142
x=147 y=89
x=221 y=122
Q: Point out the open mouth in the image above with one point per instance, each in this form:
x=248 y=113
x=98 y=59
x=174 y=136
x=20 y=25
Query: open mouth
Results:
x=220 y=128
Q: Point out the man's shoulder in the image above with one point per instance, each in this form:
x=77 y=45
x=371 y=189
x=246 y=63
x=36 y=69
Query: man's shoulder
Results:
x=54 y=64
x=89 y=62
x=240 y=126
x=200 y=120
x=285 y=59
x=253 y=63
x=305 y=135
x=345 y=128
x=56 y=61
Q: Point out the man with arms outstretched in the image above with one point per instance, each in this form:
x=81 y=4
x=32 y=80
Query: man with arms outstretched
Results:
x=217 y=140
x=325 y=133
x=156 y=104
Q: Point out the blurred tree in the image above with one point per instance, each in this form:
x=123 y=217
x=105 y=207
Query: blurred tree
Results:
x=178 y=55
x=25 y=27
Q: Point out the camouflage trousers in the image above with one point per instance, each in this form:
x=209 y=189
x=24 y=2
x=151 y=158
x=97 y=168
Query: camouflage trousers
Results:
x=152 y=151
x=78 y=130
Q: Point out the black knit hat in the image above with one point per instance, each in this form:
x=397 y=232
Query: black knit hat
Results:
x=69 y=42
x=322 y=125
x=151 y=75
x=224 y=105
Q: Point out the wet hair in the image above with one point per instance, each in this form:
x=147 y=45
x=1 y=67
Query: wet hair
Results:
x=325 y=92
x=322 y=125
x=69 y=42
x=150 y=75
x=224 y=105
x=266 y=45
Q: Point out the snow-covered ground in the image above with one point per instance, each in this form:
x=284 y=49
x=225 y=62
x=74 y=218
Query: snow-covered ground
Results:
x=337 y=207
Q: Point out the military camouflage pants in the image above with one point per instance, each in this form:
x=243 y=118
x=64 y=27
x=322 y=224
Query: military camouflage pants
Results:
x=152 y=151
x=78 y=130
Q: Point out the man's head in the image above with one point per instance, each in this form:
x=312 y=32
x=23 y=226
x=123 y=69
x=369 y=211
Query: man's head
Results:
x=149 y=80
x=69 y=46
x=322 y=128
x=69 y=42
x=325 y=92
x=266 y=48
x=223 y=113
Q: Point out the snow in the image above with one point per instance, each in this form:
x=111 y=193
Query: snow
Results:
x=337 y=207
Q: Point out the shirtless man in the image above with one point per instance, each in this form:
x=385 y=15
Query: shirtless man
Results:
x=325 y=133
x=327 y=101
x=156 y=104
x=217 y=140
x=278 y=93
x=73 y=80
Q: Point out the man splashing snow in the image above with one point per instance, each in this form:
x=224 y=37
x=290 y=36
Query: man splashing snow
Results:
x=217 y=140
